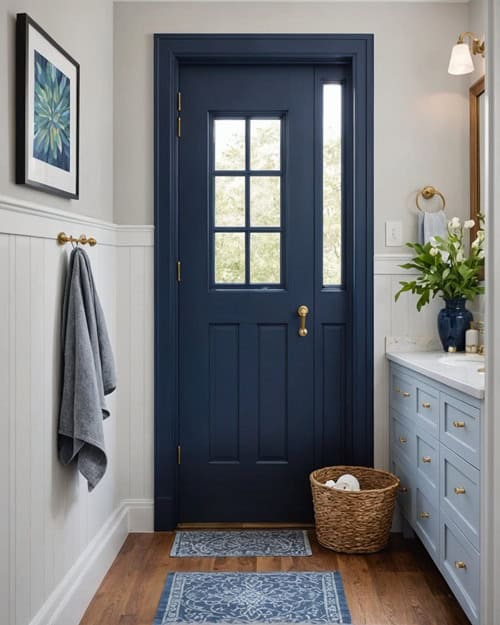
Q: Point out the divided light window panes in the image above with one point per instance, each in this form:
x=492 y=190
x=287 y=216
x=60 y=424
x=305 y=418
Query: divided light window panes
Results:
x=332 y=184
x=246 y=202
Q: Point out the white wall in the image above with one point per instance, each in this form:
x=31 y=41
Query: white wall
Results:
x=85 y=29
x=56 y=539
x=421 y=113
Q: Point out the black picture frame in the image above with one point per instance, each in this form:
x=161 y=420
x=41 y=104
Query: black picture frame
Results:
x=52 y=165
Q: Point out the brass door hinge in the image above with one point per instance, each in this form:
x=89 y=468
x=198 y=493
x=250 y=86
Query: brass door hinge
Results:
x=178 y=271
x=178 y=454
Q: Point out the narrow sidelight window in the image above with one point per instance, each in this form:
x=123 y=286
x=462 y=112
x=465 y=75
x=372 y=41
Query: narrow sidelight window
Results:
x=332 y=184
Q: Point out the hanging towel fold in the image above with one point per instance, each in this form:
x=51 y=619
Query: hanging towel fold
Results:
x=431 y=225
x=88 y=373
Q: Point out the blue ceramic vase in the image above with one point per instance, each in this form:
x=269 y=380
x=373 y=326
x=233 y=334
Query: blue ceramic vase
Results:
x=453 y=321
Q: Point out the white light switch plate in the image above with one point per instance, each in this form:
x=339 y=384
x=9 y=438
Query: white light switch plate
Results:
x=393 y=233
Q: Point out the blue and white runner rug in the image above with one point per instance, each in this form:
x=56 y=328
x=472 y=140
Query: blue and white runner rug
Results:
x=240 y=543
x=248 y=598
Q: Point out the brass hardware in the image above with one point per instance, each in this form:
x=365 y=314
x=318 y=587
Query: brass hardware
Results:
x=427 y=459
x=302 y=312
x=477 y=46
x=178 y=454
x=63 y=238
x=179 y=101
x=179 y=126
x=458 y=424
x=428 y=193
x=403 y=489
x=403 y=440
x=460 y=565
x=481 y=370
x=425 y=515
x=178 y=271
x=406 y=394
x=426 y=404
x=459 y=490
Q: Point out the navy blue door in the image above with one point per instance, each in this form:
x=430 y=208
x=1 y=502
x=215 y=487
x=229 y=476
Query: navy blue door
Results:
x=265 y=228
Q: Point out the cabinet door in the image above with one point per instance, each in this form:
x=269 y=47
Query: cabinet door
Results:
x=460 y=428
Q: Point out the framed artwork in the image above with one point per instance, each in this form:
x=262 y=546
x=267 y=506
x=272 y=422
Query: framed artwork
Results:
x=47 y=112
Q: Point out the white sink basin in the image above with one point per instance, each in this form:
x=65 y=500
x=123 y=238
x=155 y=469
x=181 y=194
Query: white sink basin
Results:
x=471 y=362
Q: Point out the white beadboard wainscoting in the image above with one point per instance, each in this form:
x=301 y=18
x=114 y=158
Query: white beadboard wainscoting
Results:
x=57 y=541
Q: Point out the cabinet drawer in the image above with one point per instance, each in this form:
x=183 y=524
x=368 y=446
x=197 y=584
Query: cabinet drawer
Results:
x=405 y=492
x=427 y=408
x=426 y=521
x=460 y=428
x=427 y=454
x=402 y=396
x=460 y=494
x=460 y=567
x=403 y=437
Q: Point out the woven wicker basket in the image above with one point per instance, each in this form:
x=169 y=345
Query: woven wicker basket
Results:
x=354 y=522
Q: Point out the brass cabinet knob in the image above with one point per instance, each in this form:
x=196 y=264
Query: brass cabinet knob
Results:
x=403 y=489
x=427 y=459
x=426 y=404
x=403 y=440
x=459 y=490
x=425 y=515
x=458 y=424
x=460 y=565
x=406 y=394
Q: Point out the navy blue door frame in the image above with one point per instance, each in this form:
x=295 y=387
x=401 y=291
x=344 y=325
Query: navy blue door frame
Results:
x=170 y=52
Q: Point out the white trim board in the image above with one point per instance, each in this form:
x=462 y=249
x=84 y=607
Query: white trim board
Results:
x=23 y=218
x=71 y=597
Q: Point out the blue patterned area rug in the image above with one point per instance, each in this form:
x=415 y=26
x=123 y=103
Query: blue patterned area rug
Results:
x=240 y=543
x=248 y=598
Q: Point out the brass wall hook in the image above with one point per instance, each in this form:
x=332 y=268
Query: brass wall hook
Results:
x=63 y=238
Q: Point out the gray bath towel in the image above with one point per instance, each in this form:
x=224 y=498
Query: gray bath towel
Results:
x=88 y=373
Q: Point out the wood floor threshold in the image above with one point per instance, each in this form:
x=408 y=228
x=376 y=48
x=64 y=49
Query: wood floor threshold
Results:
x=239 y=526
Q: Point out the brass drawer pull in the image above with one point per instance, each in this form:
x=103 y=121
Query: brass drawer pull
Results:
x=426 y=404
x=406 y=394
x=459 y=490
x=425 y=515
x=460 y=565
x=427 y=459
x=458 y=424
x=403 y=489
x=403 y=440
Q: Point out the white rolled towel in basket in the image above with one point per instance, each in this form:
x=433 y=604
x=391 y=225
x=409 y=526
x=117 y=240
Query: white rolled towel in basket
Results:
x=345 y=482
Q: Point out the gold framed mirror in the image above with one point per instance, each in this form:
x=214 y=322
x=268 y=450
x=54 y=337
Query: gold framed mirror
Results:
x=477 y=110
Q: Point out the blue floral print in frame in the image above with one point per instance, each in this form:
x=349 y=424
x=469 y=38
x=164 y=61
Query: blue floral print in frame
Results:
x=47 y=112
x=51 y=142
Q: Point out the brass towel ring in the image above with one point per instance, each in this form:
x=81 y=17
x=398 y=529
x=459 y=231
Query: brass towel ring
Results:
x=428 y=193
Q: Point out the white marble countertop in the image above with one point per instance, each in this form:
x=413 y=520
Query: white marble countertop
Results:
x=460 y=371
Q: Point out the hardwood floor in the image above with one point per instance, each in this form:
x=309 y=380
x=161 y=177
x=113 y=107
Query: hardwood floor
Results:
x=399 y=586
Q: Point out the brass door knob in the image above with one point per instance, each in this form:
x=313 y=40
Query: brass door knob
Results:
x=459 y=490
x=460 y=565
x=427 y=459
x=458 y=424
x=302 y=312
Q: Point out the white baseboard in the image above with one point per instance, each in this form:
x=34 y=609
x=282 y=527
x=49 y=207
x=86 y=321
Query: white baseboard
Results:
x=68 y=602
x=140 y=515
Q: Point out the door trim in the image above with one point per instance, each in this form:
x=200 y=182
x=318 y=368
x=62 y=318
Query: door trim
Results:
x=170 y=51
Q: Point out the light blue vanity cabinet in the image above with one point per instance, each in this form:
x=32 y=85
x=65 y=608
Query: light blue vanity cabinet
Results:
x=435 y=434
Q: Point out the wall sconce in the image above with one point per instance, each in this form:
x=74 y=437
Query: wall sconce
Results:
x=461 y=57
